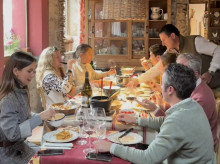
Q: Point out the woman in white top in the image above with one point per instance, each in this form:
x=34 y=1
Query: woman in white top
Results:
x=51 y=78
x=84 y=55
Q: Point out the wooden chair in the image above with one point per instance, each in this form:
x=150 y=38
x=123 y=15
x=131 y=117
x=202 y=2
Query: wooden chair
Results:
x=43 y=100
x=47 y=127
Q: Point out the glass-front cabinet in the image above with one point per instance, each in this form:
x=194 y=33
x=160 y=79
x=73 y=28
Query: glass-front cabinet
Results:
x=124 y=40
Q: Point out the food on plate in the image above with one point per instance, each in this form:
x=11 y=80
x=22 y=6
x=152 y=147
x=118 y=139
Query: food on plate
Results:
x=63 y=135
x=127 y=112
x=139 y=92
x=56 y=117
x=61 y=106
x=125 y=140
x=138 y=105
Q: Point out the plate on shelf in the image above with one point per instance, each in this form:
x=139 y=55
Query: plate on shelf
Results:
x=51 y=136
x=129 y=139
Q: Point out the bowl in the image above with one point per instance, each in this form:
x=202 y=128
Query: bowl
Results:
x=101 y=101
x=67 y=110
x=56 y=120
x=126 y=71
x=114 y=89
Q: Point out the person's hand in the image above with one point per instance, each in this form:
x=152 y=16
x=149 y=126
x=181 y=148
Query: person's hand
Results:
x=154 y=86
x=70 y=63
x=112 y=71
x=147 y=104
x=125 y=118
x=102 y=146
x=206 y=77
x=46 y=114
x=145 y=64
x=132 y=83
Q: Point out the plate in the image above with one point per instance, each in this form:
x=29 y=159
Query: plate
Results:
x=141 y=108
x=50 y=136
x=133 y=138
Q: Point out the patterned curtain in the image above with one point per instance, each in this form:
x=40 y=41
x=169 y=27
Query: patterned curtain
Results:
x=82 y=21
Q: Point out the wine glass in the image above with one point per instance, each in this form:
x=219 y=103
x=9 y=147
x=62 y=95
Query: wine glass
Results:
x=79 y=118
x=89 y=128
x=99 y=114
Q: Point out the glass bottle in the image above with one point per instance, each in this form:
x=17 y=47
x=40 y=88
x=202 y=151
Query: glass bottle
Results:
x=86 y=91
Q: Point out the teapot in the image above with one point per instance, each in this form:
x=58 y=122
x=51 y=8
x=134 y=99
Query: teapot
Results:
x=155 y=15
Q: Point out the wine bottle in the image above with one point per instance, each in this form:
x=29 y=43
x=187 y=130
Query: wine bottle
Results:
x=86 y=91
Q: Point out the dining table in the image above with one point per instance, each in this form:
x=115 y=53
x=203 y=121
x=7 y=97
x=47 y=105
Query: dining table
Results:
x=76 y=155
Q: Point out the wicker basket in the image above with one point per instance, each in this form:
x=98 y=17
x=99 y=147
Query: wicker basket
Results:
x=124 y=9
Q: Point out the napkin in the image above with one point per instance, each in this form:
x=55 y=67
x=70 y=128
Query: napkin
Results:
x=57 y=146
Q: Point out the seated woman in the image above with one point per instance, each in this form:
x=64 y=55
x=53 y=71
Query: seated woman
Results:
x=84 y=55
x=16 y=119
x=51 y=78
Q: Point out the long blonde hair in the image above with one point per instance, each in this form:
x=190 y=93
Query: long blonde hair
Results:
x=45 y=63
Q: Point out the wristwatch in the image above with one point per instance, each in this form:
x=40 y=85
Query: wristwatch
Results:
x=211 y=73
x=69 y=71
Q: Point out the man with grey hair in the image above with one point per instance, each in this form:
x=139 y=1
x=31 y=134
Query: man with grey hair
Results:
x=181 y=138
x=202 y=93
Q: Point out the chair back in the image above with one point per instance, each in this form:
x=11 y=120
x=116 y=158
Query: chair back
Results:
x=43 y=100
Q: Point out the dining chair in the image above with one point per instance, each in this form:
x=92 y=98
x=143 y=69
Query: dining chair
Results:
x=43 y=100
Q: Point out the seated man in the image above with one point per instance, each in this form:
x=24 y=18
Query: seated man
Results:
x=184 y=134
x=202 y=94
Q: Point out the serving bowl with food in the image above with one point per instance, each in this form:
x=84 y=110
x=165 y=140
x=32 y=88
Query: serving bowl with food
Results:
x=114 y=89
x=56 y=120
x=67 y=108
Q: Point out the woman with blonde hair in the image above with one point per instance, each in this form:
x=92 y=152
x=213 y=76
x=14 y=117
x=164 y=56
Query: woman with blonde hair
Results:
x=51 y=78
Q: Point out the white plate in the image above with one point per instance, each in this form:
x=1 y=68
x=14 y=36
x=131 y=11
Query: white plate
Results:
x=141 y=108
x=50 y=136
x=114 y=138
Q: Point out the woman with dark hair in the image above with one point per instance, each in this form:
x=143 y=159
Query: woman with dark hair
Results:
x=84 y=55
x=16 y=119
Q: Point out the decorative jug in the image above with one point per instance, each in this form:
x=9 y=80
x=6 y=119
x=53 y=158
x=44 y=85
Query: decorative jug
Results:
x=155 y=15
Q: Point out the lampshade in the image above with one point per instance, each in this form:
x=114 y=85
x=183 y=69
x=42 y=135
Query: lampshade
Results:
x=124 y=9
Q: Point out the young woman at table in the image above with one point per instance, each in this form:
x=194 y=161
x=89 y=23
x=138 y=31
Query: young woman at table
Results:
x=16 y=119
x=84 y=55
x=51 y=78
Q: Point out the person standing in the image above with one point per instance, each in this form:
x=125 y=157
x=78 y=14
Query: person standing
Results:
x=196 y=45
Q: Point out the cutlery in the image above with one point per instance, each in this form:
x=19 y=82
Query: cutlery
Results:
x=126 y=132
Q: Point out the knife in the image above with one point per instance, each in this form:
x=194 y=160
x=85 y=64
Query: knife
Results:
x=126 y=132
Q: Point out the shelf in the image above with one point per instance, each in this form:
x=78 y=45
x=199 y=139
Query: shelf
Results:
x=112 y=38
x=214 y=27
x=157 y=20
x=154 y=38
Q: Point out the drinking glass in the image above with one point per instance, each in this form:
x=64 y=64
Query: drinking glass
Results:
x=89 y=128
x=79 y=118
x=100 y=116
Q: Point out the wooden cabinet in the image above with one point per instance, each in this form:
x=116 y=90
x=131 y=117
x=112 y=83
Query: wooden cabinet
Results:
x=214 y=21
x=124 y=40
